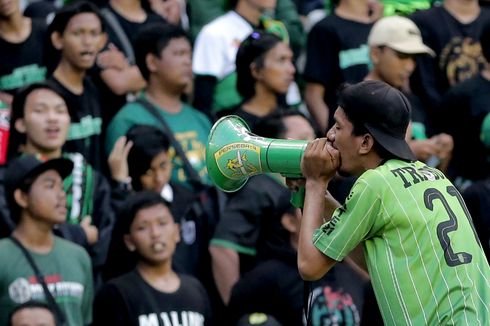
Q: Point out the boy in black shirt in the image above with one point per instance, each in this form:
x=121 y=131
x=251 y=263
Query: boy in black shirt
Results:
x=152 y=293
x=78 y=32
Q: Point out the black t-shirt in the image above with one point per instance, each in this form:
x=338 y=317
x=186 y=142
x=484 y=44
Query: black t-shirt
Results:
x=462 y=112
x=249 y=222
x=131 y=29
x=275 y=287
x=191 y=254
x=24 y=63
x=336 y=52
x=129 y=301
x=457 y=48
x=85 y=134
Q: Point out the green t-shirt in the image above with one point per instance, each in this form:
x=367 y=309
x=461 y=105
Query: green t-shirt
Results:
x=190 y=127
x=67 y=271
x=425 y=260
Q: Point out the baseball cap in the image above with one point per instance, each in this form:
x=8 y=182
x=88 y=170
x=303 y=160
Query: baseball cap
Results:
x=29 y=166
x=399 y=34
x=383 y=110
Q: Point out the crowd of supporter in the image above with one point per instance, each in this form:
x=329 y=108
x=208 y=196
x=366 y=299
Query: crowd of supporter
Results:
x=107 y=213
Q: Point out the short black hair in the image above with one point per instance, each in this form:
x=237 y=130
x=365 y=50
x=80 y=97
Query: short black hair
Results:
x=153 y=39
x=18 y=110
x=485 y=41
x=136 y=202
x=148 y=142
x=31 y=304
x=66 y=13
x=252 y=50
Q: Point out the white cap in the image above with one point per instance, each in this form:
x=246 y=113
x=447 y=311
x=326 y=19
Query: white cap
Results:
x=398 y=33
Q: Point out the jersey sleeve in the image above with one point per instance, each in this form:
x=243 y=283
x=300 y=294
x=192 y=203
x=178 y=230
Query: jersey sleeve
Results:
x=351 y=223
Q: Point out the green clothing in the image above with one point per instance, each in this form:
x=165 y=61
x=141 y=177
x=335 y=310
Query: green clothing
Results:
x=425 y=260
x=67 y=272
x=190 y=127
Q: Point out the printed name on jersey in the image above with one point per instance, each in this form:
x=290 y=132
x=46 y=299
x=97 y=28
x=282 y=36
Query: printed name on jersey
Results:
x=410 y=175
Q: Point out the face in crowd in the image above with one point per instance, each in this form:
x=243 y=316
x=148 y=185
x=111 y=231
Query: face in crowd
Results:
x=153 y=234
x=277 y=71
x=46 y=121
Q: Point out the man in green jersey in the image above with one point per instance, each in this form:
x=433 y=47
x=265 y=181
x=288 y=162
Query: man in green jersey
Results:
x=421 y=250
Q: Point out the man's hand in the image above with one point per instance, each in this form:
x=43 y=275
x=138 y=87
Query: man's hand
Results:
x=91 y=231
x=320 y=160
x=118 y=159
x=112 y=58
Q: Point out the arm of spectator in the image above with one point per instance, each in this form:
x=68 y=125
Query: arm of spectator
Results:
x=225 y=263
x=170 y=10
x=123 y=81
x=317 y=107
x=112 y=58
x=445 y=145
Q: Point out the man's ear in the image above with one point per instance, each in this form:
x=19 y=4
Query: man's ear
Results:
x=56 y=40
x=129 y=243
x=366 y=144
x=151 y=62
x=374 y=53
x=20 y=126
x=20 y=198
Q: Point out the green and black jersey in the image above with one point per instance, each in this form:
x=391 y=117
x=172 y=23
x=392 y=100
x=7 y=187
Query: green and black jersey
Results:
x=425 y=260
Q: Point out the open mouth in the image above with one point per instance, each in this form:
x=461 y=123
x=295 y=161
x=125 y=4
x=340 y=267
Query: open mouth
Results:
x=158 y=246
x=87 y=55
x=52 y=132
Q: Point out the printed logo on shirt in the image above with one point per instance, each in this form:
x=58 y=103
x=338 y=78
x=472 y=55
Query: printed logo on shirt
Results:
x=352 y=57
x=22 y=290
x=333 y=307
x=194 y=150
x=461 y=59
x=172 y=318
x=88 y=126
x=22 y=76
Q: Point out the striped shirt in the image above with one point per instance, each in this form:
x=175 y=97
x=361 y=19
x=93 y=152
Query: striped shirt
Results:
x=425 y=260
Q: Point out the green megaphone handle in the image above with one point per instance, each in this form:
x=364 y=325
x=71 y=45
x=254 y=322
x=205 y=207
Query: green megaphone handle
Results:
x=298 y=197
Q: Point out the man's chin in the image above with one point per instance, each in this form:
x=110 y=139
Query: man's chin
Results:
x=343 y=173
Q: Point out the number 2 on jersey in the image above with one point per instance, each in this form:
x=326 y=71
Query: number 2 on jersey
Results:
x=444 y=228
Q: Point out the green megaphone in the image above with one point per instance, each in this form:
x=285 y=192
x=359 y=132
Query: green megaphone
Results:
x=234 y=153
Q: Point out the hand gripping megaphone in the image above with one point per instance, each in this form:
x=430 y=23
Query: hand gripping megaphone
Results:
x=234 y=153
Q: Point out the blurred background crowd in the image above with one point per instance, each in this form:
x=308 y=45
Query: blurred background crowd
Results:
x=128 y=90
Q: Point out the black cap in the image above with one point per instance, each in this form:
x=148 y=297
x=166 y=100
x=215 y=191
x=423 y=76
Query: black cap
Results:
x=383 y=110
x=30 y=166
